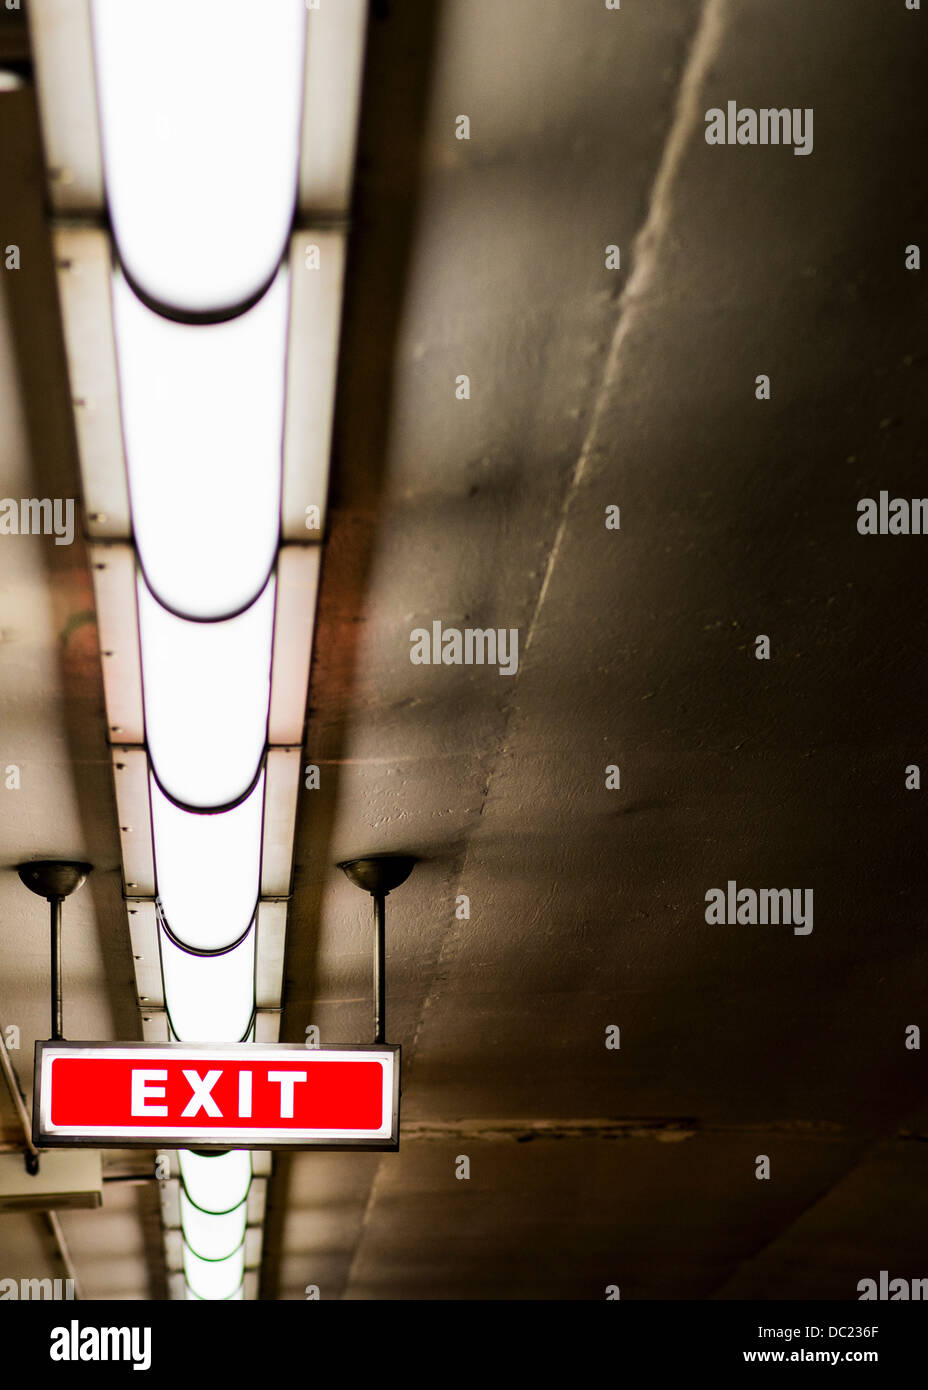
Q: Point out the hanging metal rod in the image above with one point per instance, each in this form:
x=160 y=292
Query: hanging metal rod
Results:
x=54 y=880
x=379 y=875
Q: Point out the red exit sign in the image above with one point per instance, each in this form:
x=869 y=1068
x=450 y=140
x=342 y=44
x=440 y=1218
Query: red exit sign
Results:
x=220 y=1096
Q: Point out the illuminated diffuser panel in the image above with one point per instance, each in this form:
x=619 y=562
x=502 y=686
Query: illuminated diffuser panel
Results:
x=202 y=418
x=214 y=1279
x=216 y=1183
x=212 y=1236
x=192 y=1297
x=208 y=869
x=206 y=689
x=200 y=108
x=209 y=998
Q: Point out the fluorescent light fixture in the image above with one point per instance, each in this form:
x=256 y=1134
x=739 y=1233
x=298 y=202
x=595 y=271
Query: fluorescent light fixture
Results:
x=334 y=66
x=207 y=868
x=254 y=1245
x=209 y=998
x=297 y=589
x=257 y=1202
x=271 y=927
x=63 y=54
x=249 y=1036
x=114 y=568
x=169 y=1201
x=212 y=1237
x=206 y=688
x=202 y=417
x=200 y=108
x=214 y=1279
x=203 y=375
x=312 y=369
x=267 y=1026
x=191 y=1297
x=154 y=1025
x=132 y=778
x=143 y=936
x=84 y=261
x=283 y=779
x=216 y=1183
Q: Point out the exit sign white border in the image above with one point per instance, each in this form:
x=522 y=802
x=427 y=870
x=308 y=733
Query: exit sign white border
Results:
x=163 y=1136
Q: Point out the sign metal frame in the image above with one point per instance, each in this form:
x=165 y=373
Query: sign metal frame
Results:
x=46 y=1137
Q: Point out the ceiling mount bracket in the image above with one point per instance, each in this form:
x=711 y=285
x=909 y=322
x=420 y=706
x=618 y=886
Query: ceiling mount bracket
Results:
x=54 y=880
x=379 y=875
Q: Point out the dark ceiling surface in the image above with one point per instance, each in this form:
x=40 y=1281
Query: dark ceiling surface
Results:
x=590 y=388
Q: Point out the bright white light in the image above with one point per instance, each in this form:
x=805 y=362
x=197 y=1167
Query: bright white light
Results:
x=202 y=416
x=218 y=1182
x=206 y=689
x=214 y=1278
x=200 y=106
x=209 y=998
x=191 y=1297
x=212 y=1237
x=207 y=868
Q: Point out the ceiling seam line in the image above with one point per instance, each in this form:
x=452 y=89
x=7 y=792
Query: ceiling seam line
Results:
x=686 y=117
x=815 y=1201
x=702 y=49
x=707 y=31
x=866 y=1148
